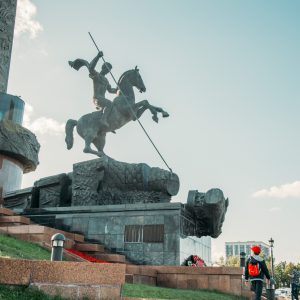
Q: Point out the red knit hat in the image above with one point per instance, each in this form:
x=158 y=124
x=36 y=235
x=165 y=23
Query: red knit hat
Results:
x=256 y=249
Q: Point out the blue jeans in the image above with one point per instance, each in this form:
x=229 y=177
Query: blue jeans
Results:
x=257 y=287
x=295 y=291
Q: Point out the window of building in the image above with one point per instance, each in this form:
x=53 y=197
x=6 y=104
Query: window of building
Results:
x=229 y=250
x=133 y=234
x=265 y=251
x=242 y=248
x=153 y=234
x=248 y=250
x=236 y=250
x=146 y=233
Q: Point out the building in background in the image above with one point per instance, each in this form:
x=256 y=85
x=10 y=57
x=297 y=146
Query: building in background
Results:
x=235 y=248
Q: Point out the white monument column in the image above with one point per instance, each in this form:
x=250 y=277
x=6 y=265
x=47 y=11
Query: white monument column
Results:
x=8 y=10
x=18 y=146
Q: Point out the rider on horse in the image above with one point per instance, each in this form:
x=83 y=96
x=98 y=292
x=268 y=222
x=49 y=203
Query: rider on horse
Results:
x=101 y=84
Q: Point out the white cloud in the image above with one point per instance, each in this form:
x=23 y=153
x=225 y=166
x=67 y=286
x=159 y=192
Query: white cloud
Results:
x=25 y=22
x=42 y=125
x=27 y=115
x=45 y=125
x=282 y=191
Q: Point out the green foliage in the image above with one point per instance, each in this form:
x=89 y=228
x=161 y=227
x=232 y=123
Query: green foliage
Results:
x=14 y=248
x=24 y=293
x=232 y=261
x=146 y=291
x=282 y=271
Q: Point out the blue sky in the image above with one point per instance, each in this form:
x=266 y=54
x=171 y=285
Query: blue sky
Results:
x=226 y=71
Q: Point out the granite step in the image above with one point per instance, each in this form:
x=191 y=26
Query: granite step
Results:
x=67 y=255
x=38 y=229
x=90 y=248
x=48 y=221
x=25 y=229
x=41 y=239
x=13 y=221
x=6 y=212
x=114 y=258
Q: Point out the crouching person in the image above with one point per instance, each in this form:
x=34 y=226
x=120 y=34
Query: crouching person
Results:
x=255 y=271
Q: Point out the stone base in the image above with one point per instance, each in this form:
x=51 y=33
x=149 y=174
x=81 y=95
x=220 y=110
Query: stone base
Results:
x=147 y=234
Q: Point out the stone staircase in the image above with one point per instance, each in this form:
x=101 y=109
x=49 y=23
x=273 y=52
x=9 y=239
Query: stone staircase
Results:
x=25 y=229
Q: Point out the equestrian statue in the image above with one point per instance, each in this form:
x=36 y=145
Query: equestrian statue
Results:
x=109 y=115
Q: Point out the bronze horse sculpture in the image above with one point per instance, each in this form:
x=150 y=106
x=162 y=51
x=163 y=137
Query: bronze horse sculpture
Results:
x=124 y=110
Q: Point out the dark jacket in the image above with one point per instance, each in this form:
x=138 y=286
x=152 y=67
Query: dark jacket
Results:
x=264 y=270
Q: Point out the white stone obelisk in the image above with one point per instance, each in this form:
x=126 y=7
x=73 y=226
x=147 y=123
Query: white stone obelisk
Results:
x=8 y=10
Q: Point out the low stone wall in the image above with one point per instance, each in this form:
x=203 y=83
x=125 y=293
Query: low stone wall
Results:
x=224 y=279
x=141 y=274
x=74 y=280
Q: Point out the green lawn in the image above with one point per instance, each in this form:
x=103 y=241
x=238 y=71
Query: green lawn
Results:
x=14 y=248
x=23 y=293
x=146 y=291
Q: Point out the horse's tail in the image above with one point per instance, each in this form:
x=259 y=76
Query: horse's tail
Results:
x=69 y=133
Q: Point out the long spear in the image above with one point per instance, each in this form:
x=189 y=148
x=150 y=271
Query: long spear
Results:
x=105 y=62
x=132 y=109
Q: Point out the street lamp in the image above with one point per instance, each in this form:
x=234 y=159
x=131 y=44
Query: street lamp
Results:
x=242 y=259
x=57 y=243
x=271 y=288
x=271 y=243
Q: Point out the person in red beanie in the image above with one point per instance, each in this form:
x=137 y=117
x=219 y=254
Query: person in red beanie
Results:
x=255 y=271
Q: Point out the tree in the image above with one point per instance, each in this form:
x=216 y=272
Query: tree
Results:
x=282 y=271
x=232 y=261
x=279 y=275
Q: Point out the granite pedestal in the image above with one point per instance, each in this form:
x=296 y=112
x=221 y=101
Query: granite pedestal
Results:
x=152 y=234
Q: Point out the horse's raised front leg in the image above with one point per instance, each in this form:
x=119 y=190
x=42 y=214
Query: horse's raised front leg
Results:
x=160 y=110
x=142 y=106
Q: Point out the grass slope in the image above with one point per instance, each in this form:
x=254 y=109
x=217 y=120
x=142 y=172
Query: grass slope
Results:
x=146 y=291
x=24 y=293
x=14 y=248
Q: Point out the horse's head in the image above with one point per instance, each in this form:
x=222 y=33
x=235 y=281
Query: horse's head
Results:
x=137 y=80
x=134 y=78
